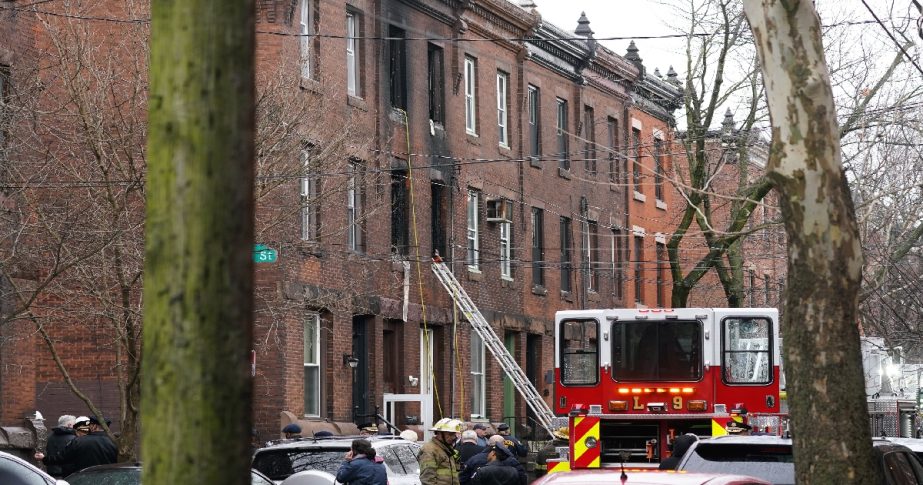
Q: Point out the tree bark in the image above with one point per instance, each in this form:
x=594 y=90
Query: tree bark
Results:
x=198 y=276
x=832 y=441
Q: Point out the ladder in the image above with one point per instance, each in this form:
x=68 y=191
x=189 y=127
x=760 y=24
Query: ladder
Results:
x=543 y=413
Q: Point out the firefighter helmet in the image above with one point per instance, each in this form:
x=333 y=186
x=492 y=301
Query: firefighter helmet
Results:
x=448 y=425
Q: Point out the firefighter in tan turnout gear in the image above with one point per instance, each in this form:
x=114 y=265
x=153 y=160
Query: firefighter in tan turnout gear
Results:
x=438 y=457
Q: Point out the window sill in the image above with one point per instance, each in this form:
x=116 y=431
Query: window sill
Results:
x=613 y=187
x=506 y=282
x=535 y=161
x=539 y=290
x=567 y=296
x=357 y=102
x=564 y=173
x=592 y=295
x=660 y=204
x=309 y=247
x=505 y=149
x=640 y=197
x=309 y=84
x=475 y=274
x=473 y=138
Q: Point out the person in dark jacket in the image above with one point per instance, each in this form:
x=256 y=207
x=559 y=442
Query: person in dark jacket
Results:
x=680 y=445
x=468 y=446
x=498 y=470
x=362 y=466
x=480 y=460
x=60 y=437
x=84 y=451
x=511 y=441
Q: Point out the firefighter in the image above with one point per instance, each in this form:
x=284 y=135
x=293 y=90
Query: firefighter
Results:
x=438 y=457
x=511 y=441
x=560 y=439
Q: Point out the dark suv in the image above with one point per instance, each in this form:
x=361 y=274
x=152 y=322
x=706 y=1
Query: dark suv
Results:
x=770 y=458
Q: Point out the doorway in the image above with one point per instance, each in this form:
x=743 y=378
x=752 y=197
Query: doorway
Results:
x=360 y=373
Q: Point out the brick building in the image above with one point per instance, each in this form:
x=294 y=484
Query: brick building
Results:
x=393 y=129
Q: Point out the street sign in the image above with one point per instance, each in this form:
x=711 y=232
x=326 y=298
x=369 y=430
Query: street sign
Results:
x=264 y=254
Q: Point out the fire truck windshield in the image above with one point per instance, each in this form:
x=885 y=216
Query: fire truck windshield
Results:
x=657 y=350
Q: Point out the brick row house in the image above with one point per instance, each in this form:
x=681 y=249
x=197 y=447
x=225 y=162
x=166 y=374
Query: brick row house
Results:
x=393 y=130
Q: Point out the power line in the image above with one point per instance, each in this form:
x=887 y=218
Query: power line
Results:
x=894 y=39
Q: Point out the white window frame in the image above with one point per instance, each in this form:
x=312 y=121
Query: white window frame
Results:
x=309 y=198
x=304 y=32
x=473 y=256
x=312 y=364
x=506 y=249
x=478 y=377
x=352 y=209
x=503 y=82
x=471 y=124
x=352 y=65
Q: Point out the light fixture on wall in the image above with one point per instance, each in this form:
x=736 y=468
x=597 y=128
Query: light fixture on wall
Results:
x=351 y=361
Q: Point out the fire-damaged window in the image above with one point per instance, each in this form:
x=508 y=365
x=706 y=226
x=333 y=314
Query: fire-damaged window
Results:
x=400 y=212
x=579 y=352
x=746 y=355
x=657 y=350
x=397 y=67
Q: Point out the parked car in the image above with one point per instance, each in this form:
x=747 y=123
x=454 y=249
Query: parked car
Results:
x=770 y=458
x=644 y=476
x=325 y=455
x=16 y=471
x=130 y=474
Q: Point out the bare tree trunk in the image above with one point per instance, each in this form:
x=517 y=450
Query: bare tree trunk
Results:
x=824 y=369
x=198 y=277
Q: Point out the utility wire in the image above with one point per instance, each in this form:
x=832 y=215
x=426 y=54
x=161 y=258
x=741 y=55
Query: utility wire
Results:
x=896 y=42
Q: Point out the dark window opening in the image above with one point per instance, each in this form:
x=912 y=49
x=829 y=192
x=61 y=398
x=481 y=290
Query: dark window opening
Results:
x=538 y=247
x=579 y=352
x=658 y=169
x=566 y=258
x=657 y=350
x=440 y=218
x=589 y=140
x=436 y=84
x=397 y=48
x=661 y=262
x=535 y=123
x=593 y=254
x=615 y=162
x=639 y=269
x=562 y=135
x=636 y=165
x=400 y=213
x=618 y=266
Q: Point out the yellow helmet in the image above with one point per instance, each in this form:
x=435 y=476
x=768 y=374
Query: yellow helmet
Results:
x=448 y=425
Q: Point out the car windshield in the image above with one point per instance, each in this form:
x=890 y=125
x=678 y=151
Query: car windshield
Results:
x=278 y=464
x=773 y=463
x=108 y=476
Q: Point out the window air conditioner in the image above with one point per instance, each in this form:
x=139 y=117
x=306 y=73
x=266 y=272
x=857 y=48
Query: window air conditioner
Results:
x=499 y=210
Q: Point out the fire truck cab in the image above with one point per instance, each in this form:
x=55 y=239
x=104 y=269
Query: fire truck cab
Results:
x=631 y=380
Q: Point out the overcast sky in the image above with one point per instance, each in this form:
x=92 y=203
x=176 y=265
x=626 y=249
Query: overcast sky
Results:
x=623 y=18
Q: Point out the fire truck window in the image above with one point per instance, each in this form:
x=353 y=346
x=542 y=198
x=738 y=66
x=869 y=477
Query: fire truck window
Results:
x=657 y=351
x=746 y=351
x=579 y=352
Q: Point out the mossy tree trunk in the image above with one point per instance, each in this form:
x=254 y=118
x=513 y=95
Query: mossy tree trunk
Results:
x=198 y=279
x=822 y=359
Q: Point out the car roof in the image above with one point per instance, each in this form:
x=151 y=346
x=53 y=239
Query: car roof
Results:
x=335 y=442
x=112 y=466
x=9 y=456
x=915 y=444
x=608 y=476
x=744 y=440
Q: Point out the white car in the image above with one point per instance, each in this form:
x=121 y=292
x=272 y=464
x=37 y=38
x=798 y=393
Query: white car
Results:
x=316 y=461
x=16 y=471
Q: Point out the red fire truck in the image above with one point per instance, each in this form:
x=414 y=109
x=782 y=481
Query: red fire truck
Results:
x=630 y=380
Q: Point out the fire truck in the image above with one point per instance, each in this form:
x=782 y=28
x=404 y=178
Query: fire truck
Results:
x=631 y=380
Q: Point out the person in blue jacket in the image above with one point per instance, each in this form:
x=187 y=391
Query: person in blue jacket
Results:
x=362 y=467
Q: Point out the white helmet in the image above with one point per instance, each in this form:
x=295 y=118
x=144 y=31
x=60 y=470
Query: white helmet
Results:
x=448 y=425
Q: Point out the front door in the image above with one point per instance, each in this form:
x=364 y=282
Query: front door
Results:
x=361 y=372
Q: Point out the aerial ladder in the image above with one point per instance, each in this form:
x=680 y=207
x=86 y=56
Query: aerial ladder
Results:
x=513 y=371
